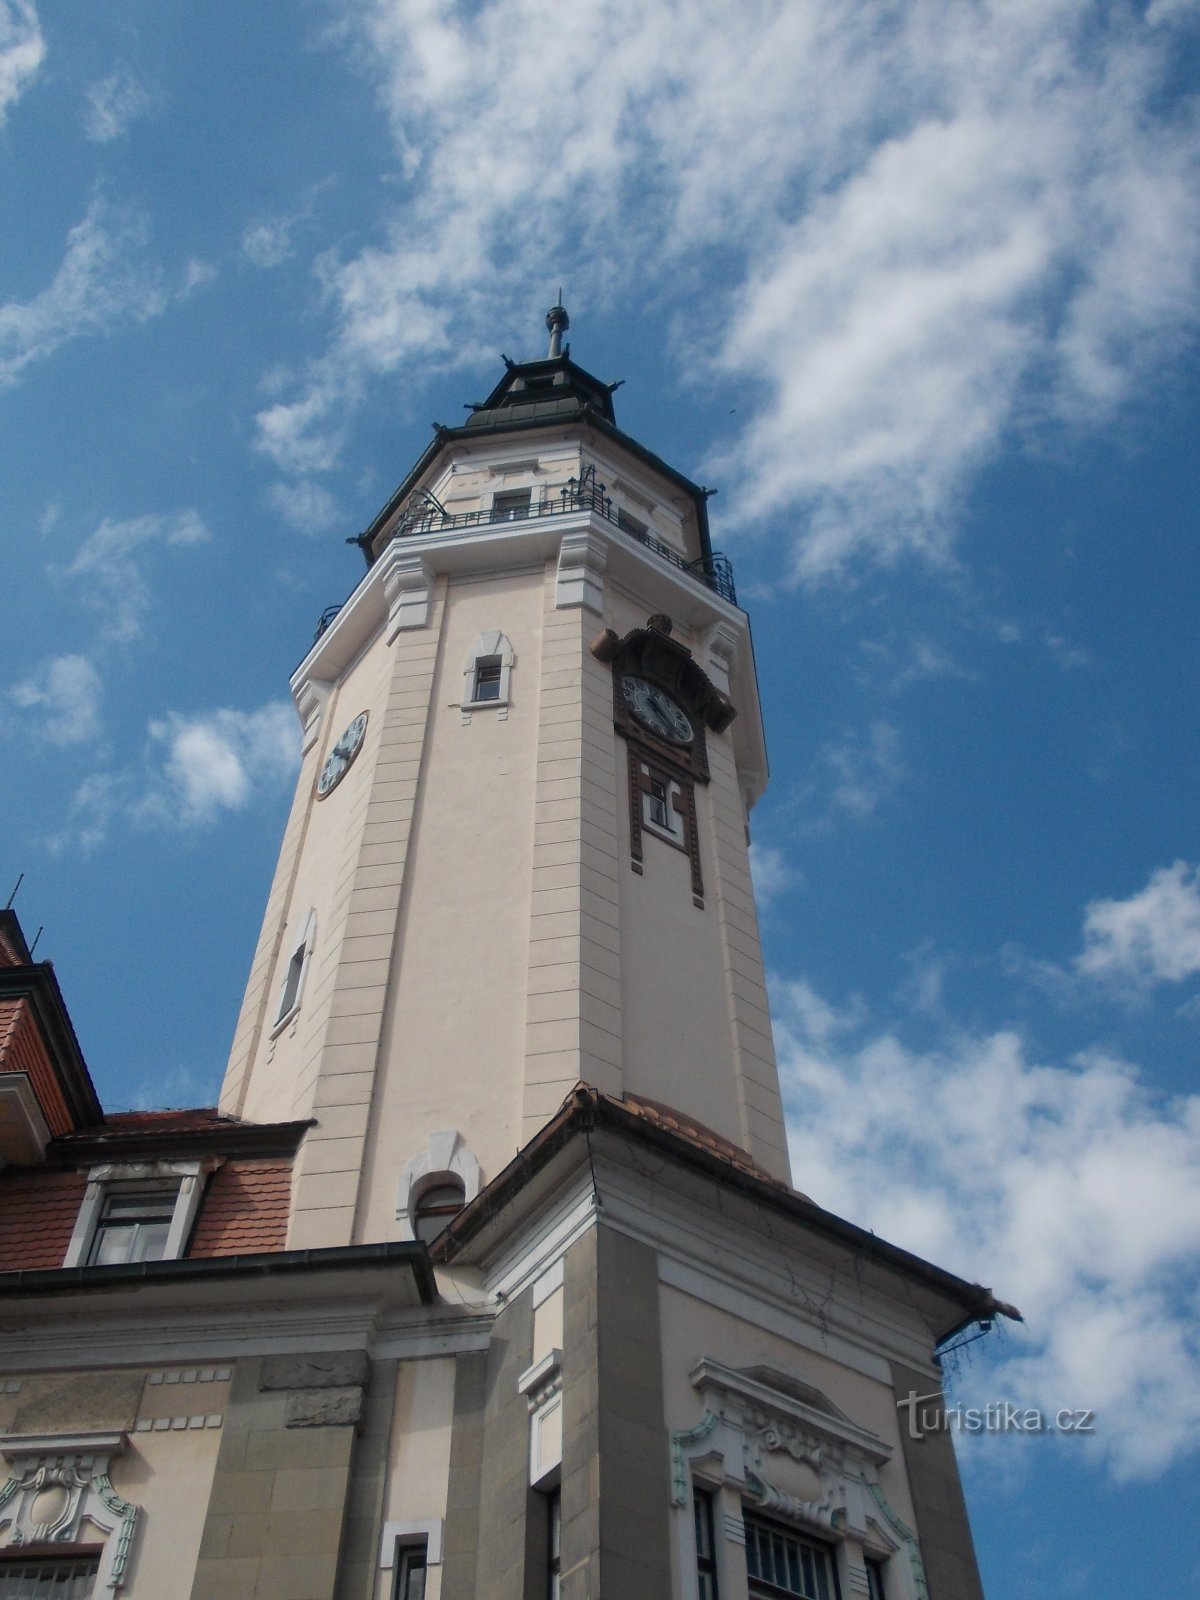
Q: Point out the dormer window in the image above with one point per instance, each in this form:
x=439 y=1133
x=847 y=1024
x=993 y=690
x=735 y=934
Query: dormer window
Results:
x=133 y=1226
x=511 y=505
x=136 y=1211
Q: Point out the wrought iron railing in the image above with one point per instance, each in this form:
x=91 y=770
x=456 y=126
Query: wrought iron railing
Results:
x=428 y=516
x=325 y=619
x=716 y=570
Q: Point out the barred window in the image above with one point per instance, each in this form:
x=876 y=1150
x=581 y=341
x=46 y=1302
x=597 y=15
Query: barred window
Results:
x=48 y=1580
x=780 y=1562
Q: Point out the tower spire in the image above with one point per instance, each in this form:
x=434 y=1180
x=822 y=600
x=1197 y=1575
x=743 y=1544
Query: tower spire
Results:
x=557 y=321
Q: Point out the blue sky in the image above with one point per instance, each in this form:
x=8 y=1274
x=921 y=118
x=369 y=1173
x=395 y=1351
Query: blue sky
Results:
x=915 y=286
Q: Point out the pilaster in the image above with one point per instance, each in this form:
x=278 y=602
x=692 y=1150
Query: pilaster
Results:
x=347 y=1001
x=573 y=1015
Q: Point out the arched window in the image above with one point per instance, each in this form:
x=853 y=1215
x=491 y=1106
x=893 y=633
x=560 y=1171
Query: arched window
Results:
x=435 y=1184
x=440 y=1200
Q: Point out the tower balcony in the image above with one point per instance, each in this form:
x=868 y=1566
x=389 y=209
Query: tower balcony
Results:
x=424 y=517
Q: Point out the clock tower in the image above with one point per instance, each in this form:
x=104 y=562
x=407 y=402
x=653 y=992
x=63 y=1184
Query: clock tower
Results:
x=517 y=857
x=485 y=1281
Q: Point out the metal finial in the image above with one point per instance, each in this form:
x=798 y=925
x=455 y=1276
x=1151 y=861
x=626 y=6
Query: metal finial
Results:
x=557 y=321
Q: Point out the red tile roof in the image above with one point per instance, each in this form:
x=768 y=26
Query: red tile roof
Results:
x=38 y=1209
x=245 y=1209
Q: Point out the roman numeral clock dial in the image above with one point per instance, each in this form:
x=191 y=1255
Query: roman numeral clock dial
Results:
x=341 y=756
x=654 y=709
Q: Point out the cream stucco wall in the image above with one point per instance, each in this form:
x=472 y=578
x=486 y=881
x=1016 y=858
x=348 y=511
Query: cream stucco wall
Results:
x=481 y=942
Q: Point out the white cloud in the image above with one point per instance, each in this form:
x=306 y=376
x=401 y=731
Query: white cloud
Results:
x=267 y=244
x=220 y=761
x=115 y=101
x=109 y=563
x=22 y=50
x=941 y=225
x=196 y=769
x=196 y=275
x=65 y=694
x=1152 y=936
x=97 y=285
x=865 y=769
x=305 y=506
x=772 y=872
x=1068 y=1187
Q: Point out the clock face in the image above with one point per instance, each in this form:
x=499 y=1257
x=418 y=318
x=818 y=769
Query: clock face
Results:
x=654 y=709
x=340 y=757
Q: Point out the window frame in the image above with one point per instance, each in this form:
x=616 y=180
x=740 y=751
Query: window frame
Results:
x=553 y=1499
x=766 y=1587
x=511 y=505
x=78 y=1557
x=422 y=1209
x=490 y=649
x=185 y=1179
x=109 y=1221
x=708 y=1585
x=301 y=954
x=420 y=1533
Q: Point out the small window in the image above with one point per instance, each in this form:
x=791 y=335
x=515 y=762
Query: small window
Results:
x=875 y=1589
x=659 y=810
x=511 y=505
x=706 y=1551
x=487 y=678
x=658 y=799
x=133 y=1226
x=48 y=1580
x=436 y=1205
x=292 y=988
x=780 y=1563
x=411 y=1567
x=553 y=1545
x=628 y=524
x=487 y=671
x=291 y=983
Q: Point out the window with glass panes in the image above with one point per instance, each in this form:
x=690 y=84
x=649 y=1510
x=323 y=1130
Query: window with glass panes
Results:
x=553 y=1545
x=487 y=678
x=875 y=1589
x=48 y=1580
x=780 y=1562
x=410 y=1572
x=133 y=1226
x=706 y=1552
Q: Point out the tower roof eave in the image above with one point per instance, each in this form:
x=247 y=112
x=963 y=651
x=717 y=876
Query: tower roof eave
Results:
x=586 y=1110
x=510 y=421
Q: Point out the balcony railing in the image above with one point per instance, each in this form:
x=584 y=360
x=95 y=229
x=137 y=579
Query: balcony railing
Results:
x=716 y=570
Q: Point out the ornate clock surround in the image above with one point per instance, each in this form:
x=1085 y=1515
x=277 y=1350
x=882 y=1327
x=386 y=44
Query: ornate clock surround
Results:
x=673 y=767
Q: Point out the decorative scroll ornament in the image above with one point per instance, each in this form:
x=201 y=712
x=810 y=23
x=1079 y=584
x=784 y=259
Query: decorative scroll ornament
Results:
x=816 y=1514
x=56 y=1485
x=683 y=1444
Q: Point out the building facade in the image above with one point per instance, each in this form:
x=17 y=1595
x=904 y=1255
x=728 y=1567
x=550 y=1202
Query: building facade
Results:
x=485 y=1278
